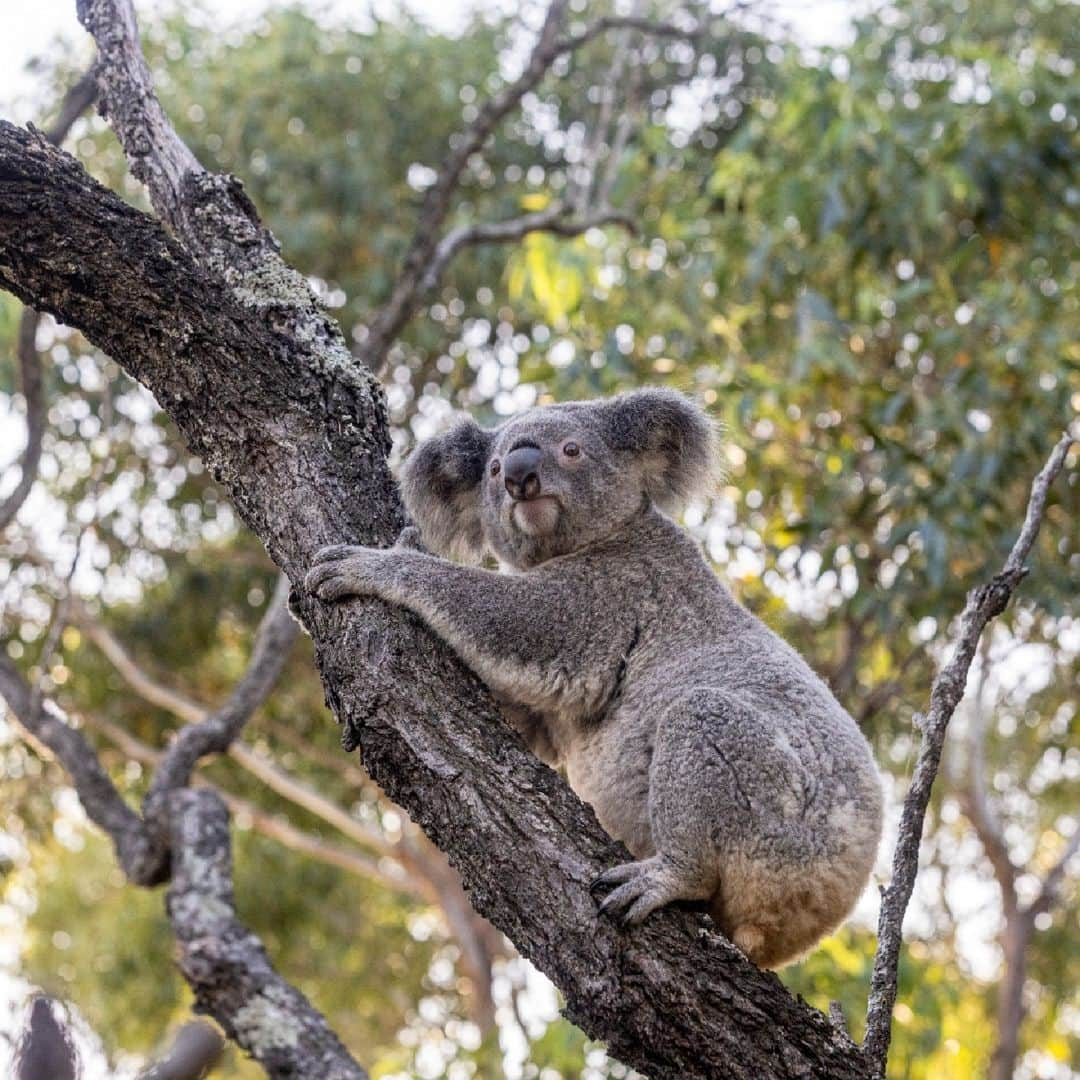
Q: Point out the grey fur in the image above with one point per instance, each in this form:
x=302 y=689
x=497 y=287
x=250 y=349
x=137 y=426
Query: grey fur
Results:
x=702 y=740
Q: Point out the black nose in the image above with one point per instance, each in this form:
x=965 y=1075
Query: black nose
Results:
x=521 y=467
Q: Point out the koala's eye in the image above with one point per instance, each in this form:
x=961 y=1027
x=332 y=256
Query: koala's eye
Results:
x=571 y=449
x=496 y=468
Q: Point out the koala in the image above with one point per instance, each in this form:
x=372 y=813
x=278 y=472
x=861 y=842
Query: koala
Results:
x=701 y=739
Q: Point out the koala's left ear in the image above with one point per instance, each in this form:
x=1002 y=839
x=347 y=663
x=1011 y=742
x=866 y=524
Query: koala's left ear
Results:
x=441 y=487
x=672 y=439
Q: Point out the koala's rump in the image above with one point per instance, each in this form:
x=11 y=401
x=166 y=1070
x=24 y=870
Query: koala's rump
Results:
x=788 y=814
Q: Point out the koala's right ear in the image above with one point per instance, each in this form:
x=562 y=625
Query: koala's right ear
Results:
x=441 y=487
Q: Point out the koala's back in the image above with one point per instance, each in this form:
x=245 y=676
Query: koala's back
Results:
x=721 y=746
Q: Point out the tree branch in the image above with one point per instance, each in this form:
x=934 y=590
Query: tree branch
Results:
x=429 y=252
x=177 y=763
x=557 y=218
x=141 y=858
x=225 y=963
x=216 y=732
x=983 y=604
x=405 y=296
x=272 y=825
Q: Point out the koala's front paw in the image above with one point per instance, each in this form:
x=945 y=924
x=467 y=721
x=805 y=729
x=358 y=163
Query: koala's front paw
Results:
x=341 y=570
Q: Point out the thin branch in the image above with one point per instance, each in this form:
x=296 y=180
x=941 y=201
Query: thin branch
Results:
x=274 y=826
x=288 y=787
x=405 y=296
x=144 y=860
x=216 y=733
x=983 y=604
x=1048 y=891
x=77 y=100
x=148 y=689
x=226 y=964
x=199 y=736
x=557 y=218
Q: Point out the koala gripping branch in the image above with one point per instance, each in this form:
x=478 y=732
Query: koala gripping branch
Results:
x=296 y=433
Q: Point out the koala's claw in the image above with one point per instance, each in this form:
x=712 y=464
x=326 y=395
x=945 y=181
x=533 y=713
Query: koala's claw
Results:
x=617 y=875
x=330 y=576
x=333 y=552
x=641 y=888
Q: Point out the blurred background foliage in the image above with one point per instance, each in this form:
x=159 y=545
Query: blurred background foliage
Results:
x=861 y=258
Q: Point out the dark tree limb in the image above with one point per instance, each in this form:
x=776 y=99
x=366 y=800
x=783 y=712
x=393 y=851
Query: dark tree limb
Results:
x=983 y=604
x=274 y=826
x=295 y=429
x=139 y=855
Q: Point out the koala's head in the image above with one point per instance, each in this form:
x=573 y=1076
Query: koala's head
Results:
x=554 y=479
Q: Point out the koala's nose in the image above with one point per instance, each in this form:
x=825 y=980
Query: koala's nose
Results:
x=521 y=468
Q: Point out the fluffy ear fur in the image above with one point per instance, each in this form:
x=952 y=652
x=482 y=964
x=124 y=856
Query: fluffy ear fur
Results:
x=673 y=440
x=441 y=487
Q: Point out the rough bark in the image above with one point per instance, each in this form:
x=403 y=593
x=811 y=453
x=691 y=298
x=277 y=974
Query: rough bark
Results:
x=262 y=387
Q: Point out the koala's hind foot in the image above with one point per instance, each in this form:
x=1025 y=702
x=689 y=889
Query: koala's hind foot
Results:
x=642 y=887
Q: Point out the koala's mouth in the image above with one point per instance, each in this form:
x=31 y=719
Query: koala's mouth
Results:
x=536 y=517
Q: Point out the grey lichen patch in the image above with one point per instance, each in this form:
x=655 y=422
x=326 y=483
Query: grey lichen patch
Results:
x=270 y=283
x=209 y=874
x=268 y=1022
x=272 y=286
x=198 y=912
